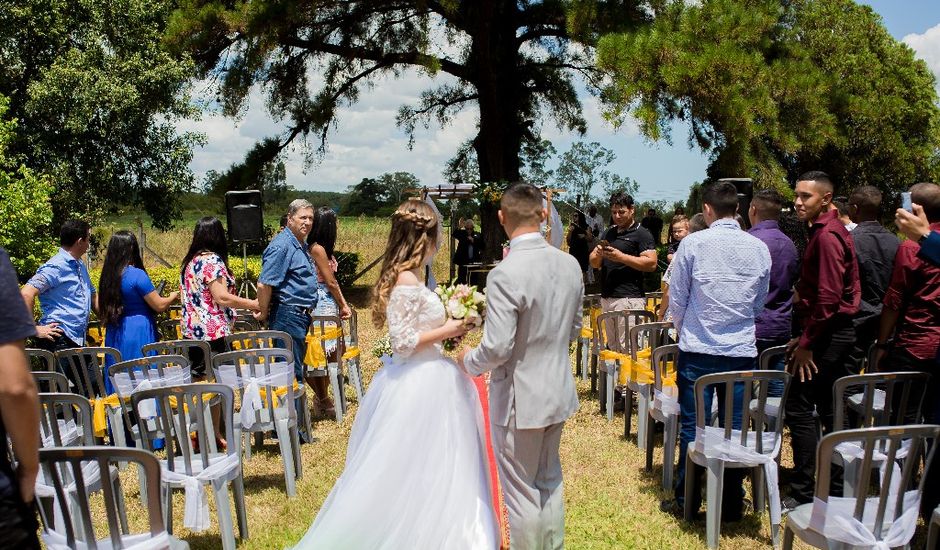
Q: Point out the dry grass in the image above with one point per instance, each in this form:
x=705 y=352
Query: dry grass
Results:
x=363 y=235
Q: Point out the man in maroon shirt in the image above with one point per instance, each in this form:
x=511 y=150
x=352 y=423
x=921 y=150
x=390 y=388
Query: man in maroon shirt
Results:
x=912 y=313
x=828 y=297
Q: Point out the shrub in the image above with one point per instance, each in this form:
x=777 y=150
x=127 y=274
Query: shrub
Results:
x=25 y=208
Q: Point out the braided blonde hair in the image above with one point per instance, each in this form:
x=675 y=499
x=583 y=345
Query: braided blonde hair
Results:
x=413 y=236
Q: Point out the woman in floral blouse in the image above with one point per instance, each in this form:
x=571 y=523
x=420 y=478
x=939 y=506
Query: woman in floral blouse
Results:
x=208 y=289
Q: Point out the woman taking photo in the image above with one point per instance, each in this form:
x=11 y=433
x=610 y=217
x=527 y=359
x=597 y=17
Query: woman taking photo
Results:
x=209 y=294
x=127 y=299
x=330 y=300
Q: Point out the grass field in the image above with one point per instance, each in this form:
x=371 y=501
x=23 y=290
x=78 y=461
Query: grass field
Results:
x=364 y=235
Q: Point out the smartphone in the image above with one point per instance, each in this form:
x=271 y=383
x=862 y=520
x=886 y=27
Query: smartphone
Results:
x=160 y=286
x=603 y=243
x=906 y=201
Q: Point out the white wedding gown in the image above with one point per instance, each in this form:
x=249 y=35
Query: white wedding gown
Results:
x=415 y=475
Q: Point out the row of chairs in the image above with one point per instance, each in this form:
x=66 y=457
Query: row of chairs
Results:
x=645 y=367
x=73 y=467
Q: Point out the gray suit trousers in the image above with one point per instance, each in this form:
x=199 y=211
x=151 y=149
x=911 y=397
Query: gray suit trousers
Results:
x=530 y=473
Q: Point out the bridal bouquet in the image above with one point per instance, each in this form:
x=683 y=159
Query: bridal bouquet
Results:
x=462 y=302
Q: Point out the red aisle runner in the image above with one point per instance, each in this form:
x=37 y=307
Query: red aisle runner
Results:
x=502 y=515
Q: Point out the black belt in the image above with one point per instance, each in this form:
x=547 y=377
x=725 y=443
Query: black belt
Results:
x=296 y=309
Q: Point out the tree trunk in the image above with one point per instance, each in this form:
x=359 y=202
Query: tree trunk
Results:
x=493 y=63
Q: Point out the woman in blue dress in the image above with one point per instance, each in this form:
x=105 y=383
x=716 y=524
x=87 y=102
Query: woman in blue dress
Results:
x=127 y=299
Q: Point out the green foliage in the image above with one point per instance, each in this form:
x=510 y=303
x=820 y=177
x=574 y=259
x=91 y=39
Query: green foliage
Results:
x=584 y=166
x=772 y=89
x=25 y=208
x=97 y=99
x=348 y=266
x=379 y=196
x=260 y=170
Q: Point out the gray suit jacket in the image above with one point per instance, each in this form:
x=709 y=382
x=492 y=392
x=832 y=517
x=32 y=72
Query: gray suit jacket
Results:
x=533 y=312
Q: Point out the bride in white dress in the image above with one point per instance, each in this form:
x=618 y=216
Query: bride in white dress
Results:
x=415 y=474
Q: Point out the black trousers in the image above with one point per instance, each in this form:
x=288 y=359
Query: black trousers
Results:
x=814 y=397
x=899 y=360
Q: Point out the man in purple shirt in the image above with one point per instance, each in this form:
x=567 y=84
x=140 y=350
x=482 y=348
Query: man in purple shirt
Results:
x=773 y=325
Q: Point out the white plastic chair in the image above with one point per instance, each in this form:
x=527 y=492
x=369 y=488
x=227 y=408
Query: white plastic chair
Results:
x=65 y=421
x=353 y=354
x=275 y=339
x=181 y=411
x=264 y=380
x=664 y=408
x=651 y=335
x=614 y=322
x=591 y=305
x=336 y=357
x=51 y=382
x=128 y=377
x=184 y=348
x=77 y=531
x=874 y=400
x=40 y=360
x=886 y=518
x=752 y=446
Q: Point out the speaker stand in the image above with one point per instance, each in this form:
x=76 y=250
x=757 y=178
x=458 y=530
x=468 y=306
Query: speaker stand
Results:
x=247 y=283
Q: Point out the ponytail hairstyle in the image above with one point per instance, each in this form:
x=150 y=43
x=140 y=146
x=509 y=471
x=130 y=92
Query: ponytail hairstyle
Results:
x=414 y=235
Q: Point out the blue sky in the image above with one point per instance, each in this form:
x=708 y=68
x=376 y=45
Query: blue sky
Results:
x=366 y=142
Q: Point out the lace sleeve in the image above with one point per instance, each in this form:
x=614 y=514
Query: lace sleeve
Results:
x=404 y=307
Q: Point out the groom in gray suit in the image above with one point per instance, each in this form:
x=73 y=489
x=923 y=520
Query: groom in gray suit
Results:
x=533 y=312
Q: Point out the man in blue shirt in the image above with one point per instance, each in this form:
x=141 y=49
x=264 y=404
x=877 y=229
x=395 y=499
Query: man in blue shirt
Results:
x=66 y=295
x=718 y=287
x=287 y=286
x=774 y=324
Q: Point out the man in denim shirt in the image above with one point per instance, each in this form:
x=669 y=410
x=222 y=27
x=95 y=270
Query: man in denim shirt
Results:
x=287 y=287
x=65 y=293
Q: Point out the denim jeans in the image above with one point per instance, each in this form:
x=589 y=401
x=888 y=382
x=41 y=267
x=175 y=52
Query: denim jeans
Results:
x=295 y=322
x=689 y=368
x=775 y=387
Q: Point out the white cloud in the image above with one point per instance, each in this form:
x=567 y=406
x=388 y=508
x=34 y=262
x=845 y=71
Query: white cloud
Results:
x=926 y=46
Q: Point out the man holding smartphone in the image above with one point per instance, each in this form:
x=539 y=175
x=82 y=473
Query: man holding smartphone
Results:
x=625 y=252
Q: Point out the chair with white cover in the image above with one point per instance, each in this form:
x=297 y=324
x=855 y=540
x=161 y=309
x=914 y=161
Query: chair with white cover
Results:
x=352 y=355
x=275 y=339
x=194 y=461
x=883 y=513
x=184 y=348
x=327 y=349
x=84 y=367
x=129 y=377
x=60 y=465
x=264 y=380
x=51 y=382
x=65 y=421
x=664 y=407
x=591 y=306
x=752 y=446
x=614 y=351
x=644 y=340
x=874 y=400
x=764 y=362
x=40 y=360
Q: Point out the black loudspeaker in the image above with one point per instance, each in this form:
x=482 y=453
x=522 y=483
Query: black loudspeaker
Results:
x=745 y=188
x=244 y=216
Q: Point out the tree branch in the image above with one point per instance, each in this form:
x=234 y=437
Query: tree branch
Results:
x=412 y=57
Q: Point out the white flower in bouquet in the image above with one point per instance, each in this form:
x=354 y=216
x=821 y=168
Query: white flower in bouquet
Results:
x=462 y=302
x=382 y=349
